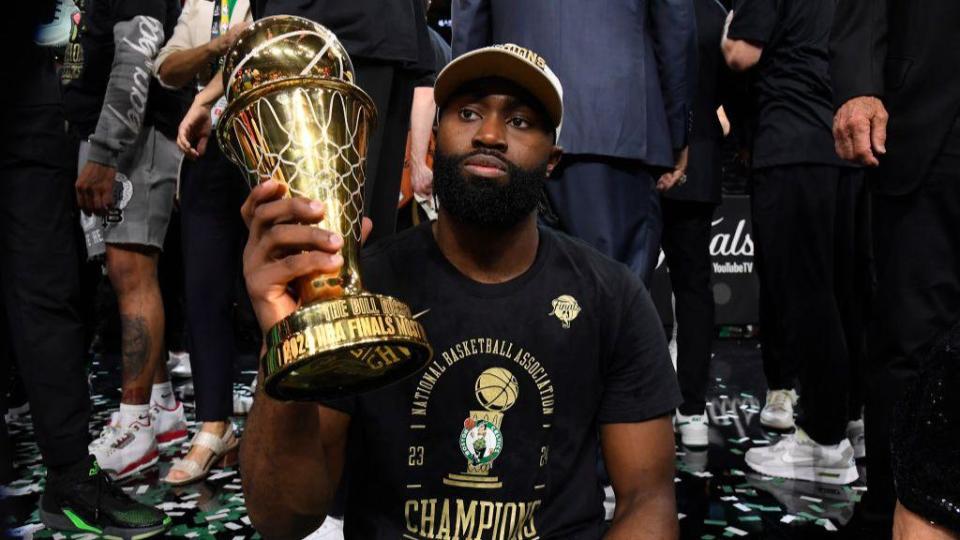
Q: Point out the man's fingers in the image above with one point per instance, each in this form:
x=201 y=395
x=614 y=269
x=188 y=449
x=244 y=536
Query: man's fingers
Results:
x=96 y=202
x=83 y=200
x=268 y=191
x=289 y=268
x=202 y=145
x=283 y=240
x=858 y=132
x=878 y=132
x=287 y=210
x=182 y=143
x=366 y=226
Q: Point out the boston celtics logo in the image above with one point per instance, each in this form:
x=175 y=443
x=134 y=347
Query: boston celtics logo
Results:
x=480 y=441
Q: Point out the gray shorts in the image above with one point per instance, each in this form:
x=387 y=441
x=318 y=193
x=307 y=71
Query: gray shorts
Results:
x=142 y=195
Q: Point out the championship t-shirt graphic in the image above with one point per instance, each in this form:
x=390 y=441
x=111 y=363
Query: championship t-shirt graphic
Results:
x=497 y=437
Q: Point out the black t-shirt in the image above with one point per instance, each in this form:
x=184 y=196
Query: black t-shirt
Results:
x=791 y=82
x=500 y=431
x=86 y=82
x=381 y=30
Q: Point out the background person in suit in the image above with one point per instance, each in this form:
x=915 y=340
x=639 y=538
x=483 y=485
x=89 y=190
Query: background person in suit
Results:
x=626 y=106
x=899 y=95
x=687 y=215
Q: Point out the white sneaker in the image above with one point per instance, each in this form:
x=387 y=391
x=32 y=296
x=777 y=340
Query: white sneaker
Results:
x=858 y=439
x=171 y=424
x=242 y=399
x=798 y=457
x=693 y=429
x=179 y=364
x=332 y=529
x=56 y=32
x=17 y=414
x=123 y=451
x=777 y=412
x=609 y=502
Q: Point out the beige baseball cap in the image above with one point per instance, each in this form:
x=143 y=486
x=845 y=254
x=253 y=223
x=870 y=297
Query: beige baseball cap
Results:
x=514 y=63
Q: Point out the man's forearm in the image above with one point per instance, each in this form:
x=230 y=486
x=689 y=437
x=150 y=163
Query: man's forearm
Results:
x=180 y=68
x=650 y=517
x=286 y=480
x=211 y=92
x=125 y=101
x=422 y=113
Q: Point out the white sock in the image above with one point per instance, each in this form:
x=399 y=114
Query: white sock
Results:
x=131 y=413
x=162 y=394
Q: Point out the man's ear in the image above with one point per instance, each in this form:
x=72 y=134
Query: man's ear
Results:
x=555 y=154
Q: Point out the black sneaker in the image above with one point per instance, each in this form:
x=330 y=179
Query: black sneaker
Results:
x=84 y=499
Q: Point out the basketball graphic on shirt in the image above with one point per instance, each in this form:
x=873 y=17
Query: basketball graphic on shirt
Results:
x=497 y=389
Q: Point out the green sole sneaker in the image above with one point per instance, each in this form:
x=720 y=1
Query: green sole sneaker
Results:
x=69 y=521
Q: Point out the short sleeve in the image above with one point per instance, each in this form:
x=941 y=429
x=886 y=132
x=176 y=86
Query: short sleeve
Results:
x=754 y=21
x=639 y=382
x=180 y=40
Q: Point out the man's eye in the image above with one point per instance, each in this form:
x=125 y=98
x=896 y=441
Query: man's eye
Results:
x=519 y=122
x=467 y=114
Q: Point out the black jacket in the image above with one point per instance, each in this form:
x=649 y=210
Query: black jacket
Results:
x=906 y=52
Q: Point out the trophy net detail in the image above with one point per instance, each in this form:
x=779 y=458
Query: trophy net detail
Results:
x=292 y=135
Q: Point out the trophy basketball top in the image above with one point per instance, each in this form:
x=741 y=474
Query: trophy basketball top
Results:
x=284 y=47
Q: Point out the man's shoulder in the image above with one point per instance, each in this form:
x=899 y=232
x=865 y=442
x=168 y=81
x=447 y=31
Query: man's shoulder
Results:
x=404 y=240
x=589 y=264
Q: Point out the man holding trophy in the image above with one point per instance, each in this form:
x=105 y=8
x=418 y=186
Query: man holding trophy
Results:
x=536 y=342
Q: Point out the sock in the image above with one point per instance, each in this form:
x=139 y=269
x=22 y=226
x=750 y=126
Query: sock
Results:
x=162 y=394
x=131 y=413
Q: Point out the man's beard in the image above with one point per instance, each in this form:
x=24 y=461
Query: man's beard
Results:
x=486 y=202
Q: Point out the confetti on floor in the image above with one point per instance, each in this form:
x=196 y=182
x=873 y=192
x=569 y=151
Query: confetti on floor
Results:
x=718 y=495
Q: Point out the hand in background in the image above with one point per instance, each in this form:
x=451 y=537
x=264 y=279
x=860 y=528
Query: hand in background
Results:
x=195 y=129
x=860 y=130
x=283 y=246
x=222 y=44
x=95 y=188
x=421 y=178
x=678 y=175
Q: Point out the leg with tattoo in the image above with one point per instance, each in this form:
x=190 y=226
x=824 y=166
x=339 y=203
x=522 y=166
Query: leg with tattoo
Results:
x=133 y=274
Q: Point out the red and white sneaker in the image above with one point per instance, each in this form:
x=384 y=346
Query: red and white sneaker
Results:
x=123 y=451
x=171 y=424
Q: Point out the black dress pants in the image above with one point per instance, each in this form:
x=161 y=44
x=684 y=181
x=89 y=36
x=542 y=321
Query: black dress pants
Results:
x=804 y=226
x=39 y=277
x=211 y=194
x=391 y=89
x=917 y=248
x=686 y=244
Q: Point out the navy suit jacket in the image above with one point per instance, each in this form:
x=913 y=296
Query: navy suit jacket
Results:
x=622 y=63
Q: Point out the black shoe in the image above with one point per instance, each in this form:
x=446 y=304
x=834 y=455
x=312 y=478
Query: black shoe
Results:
x=84 y=499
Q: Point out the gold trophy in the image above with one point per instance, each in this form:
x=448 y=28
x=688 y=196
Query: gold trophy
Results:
x=295 y=115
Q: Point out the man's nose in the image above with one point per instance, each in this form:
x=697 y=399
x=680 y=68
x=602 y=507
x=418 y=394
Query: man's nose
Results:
x=491 y=134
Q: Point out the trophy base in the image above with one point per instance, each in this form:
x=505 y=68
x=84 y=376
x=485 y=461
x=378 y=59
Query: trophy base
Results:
x=341 y=347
